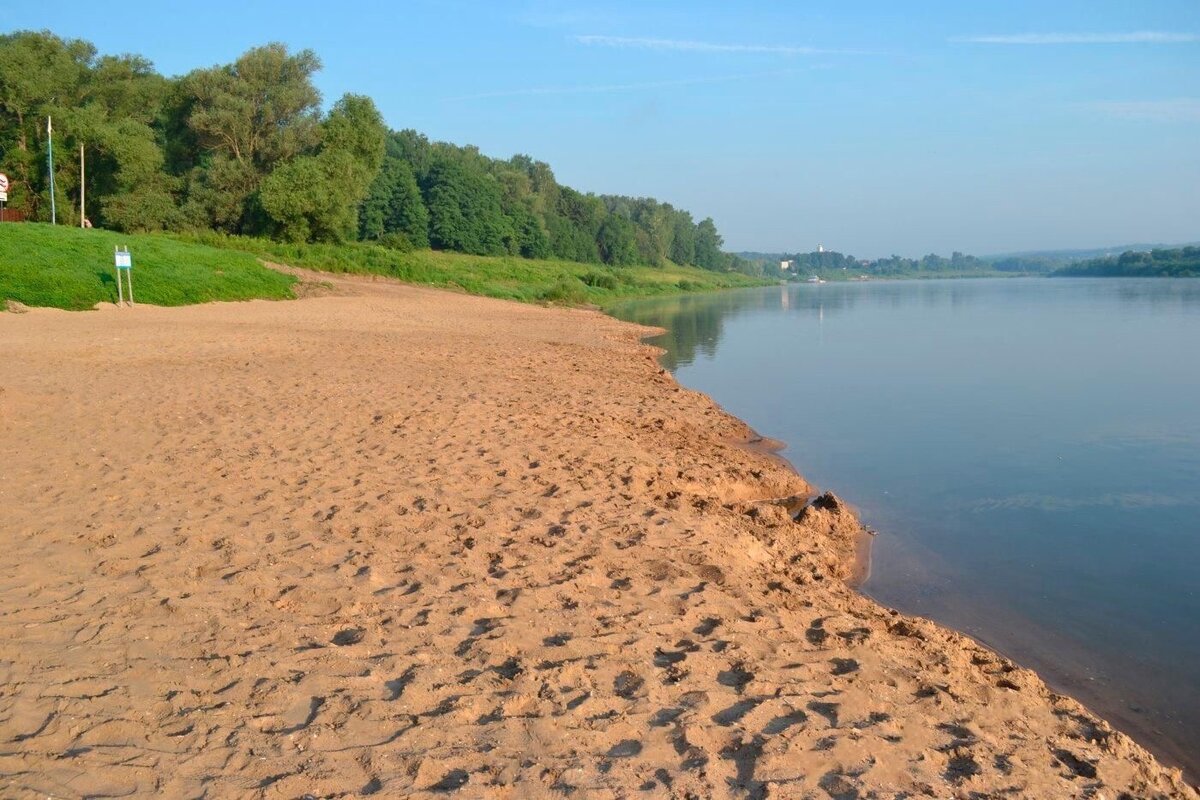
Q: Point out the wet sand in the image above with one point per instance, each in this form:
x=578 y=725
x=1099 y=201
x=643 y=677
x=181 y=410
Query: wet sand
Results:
x=400 y=542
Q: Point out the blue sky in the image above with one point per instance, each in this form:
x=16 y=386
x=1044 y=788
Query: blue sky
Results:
x=870 y=127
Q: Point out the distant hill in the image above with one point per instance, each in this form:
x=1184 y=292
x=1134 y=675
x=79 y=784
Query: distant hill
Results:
x=1051 y=260
x=1087 y=253
x=1024 y=261
x=832 y=265
x=1181 y=262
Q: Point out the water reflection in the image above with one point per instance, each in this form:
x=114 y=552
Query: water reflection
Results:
x=695 y=322
x=1027 y=446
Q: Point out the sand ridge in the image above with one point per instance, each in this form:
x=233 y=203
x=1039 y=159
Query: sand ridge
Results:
x=400 y=542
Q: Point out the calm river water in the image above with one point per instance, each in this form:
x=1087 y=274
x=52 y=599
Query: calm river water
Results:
x=1029 y=450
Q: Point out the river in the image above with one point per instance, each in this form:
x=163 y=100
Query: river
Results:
x=1027 y=448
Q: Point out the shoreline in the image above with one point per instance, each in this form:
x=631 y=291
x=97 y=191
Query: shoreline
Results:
x=1067 y=674
x=337 y=554
x=1166 y=750
x=860 y=558
x=1169 y=751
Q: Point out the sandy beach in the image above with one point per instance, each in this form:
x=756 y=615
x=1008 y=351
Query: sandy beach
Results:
x=400 y=542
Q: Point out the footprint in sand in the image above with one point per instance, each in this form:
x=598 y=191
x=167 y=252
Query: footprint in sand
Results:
x=452 y=781
x=827 y=710
x=665 y=658
x=665 y=716
x=736 y=677
x=784 y=721
x=348 y=636
x=626 y=748
x=396 y=686
x=961 y=767
x=843 y=666
x=728 y=716
x=627 y=685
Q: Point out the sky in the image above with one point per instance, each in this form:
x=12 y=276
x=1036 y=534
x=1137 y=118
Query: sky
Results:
x=872 y=128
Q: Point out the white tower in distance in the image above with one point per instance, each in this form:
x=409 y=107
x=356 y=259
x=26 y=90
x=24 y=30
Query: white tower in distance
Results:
x=820 y=248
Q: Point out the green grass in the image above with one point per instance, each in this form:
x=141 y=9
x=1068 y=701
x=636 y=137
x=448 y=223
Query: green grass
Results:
x=506 y=277
x=66 y=267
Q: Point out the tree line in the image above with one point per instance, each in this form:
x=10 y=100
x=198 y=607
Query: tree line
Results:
x=246 y=149
x=1182 y=262
x=827 y=262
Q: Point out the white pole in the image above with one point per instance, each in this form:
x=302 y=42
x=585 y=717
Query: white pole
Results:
x=129 y=277
x=82 y=188
x=50 y=159
x=120 y=292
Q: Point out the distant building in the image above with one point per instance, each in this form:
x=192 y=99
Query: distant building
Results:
x=785 y=265
x=820 y=248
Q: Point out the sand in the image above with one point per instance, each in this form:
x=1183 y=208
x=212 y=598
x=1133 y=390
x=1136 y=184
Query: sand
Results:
x=400 y=542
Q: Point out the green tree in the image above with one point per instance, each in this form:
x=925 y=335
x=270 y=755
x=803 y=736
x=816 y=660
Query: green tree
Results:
x=394 y=205
x=575 y=224
x=413 y=148
x=683 y=241
x=355 y=126
x=305 y=200
x=533 y=241
x=464 y=209
x=116 y=124
x=40 y=74
x=658 y=221
x=616 y=241
x=316 y=197
x=248 y=118
x=243 y=148
x=708 y=246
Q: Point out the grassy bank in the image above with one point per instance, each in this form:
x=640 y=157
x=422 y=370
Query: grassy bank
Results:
x=66 y=267
x=507 y=277
x=69 y=268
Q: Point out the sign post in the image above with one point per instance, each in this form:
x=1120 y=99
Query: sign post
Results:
x=124 y=263
x=3 y=194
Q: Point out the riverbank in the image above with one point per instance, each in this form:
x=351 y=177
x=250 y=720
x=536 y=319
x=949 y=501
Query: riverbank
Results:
x=394 y=540
x=71 y=268
x=1056 y=532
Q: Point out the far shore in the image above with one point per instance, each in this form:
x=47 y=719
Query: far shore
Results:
x=396 y=541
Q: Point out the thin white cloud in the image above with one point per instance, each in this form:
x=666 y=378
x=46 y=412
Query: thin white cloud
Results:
x=1171 y=110
x=557 y=17
x=689 y=46
x=1134 y=37
x=613 y=88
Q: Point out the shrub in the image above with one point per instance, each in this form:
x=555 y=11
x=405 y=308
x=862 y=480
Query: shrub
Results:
x=600 y=280
x=567 y=290
x=396 y=241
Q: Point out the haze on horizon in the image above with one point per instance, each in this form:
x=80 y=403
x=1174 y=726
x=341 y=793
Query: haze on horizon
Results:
x=928 y=128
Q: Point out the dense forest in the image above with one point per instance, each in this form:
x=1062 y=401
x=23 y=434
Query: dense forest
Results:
x=1183 y=262
x=246 y=149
